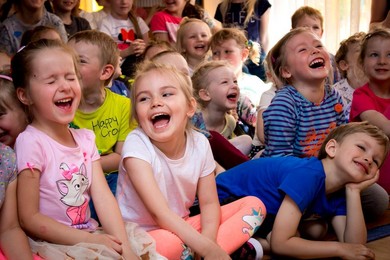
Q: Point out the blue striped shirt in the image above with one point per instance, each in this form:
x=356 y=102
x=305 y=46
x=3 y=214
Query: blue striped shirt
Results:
x=296 y=126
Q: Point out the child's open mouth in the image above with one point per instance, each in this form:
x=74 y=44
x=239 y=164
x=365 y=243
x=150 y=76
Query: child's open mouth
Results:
x=160 y=120
x=317 y=63
x=64 y=103
x=232 y=97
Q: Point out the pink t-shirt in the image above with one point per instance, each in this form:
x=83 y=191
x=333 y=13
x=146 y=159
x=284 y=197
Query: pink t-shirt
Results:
x=363 y=100
x=176 y=179
x=66 y=174
x=163 y=22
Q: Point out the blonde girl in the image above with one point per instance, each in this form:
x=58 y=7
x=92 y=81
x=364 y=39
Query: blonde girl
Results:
x=217 y=93
x=252 y=16
x=371 y=102
x=59 y=167
x=176 y=164
x=193 y=39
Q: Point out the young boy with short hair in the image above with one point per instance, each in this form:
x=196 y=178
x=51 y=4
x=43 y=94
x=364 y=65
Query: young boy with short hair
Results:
x=312 y=18
x=101 y=110
x=298 y=191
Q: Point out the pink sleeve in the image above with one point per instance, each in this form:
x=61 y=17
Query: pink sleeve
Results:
x=362 y=101
x=158 y=23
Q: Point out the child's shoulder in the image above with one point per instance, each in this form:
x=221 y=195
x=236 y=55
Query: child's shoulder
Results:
x=116 y=99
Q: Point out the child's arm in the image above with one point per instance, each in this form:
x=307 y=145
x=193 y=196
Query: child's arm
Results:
x=378 y=119
x=352 y=228
x=110 y=162
x=284 y=240
x=108 y=211
x=45 y=228
x=209 y=206
x=147 y=189
x=13 y=241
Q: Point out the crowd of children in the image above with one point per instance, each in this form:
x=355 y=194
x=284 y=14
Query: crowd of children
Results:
x=193 y=155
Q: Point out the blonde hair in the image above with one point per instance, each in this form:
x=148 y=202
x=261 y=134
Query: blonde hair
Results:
x=249 y=6
x=276 y=57
x=342 y=131
x=306 y=11
x=201 y=78
x=108 y=49
x=181 y=31
x=165 y=71
x=239 y=36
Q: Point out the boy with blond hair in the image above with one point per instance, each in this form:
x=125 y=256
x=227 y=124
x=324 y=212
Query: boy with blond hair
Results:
x=105 y=113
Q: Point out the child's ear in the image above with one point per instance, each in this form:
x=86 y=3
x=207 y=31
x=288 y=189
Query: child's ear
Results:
x=192 y=107
x=244 y=54
x=285 y=72
x=22 y=96
x=204 y=95
x=343 y=65
x=331 y=147
x=107 y=72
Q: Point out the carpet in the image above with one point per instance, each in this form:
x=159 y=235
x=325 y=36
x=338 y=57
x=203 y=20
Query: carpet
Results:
x=378 y=232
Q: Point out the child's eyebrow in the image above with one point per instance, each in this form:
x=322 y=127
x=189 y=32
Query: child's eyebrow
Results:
x=161 y=89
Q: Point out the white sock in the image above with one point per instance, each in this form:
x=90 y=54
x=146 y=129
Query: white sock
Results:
x=259 y=249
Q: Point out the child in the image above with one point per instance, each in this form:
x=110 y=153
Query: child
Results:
x=299 y=190
x=302 y=114
x=5 y=62
x=232 y=45
x=193 y=38
x=13 y=119
x=176 y=165
x=217 y=93
x=129 y=31
x=155 y=47
x=13 y=241
x=164 y=24
x=29 y=15
x=100 y=110
x=59 y=167
x=312 y=18
x=40 y=32
x=68 y=12
x=252 y=16
x=372 y=101
x=353 y=75
x=305 y=110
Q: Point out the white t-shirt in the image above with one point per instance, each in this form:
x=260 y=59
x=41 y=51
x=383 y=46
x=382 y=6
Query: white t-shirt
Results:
x=112 y=26
x=176 y=179
x=252 y=87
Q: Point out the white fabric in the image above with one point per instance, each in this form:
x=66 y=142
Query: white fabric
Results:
x=177 y=179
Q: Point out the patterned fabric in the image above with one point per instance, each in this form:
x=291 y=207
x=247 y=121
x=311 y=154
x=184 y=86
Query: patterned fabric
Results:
x=295 y=126
x=8 y=170
x=346 y=92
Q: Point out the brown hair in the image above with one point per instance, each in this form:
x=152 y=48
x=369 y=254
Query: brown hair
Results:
x=344 y=46
x=381 y=32
x=241 y=40
x=108 y=49
x=302 y=12
x=341 y=132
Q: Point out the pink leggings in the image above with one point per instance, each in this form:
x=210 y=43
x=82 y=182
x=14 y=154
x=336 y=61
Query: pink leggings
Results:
x=2 y=256
x=239 y=221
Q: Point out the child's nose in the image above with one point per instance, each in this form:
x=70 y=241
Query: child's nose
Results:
x=156 y=102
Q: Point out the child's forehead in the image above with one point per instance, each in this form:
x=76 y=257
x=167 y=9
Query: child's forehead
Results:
x=308 y=20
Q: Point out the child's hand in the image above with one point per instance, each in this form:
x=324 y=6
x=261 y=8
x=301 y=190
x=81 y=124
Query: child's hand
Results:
x=216 y=252
x=109 y=241
x=138 y=46
x=362 y=185
x=356 y=252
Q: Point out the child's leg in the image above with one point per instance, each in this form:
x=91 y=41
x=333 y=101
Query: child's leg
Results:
x=240 y=220
x=168 y=244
